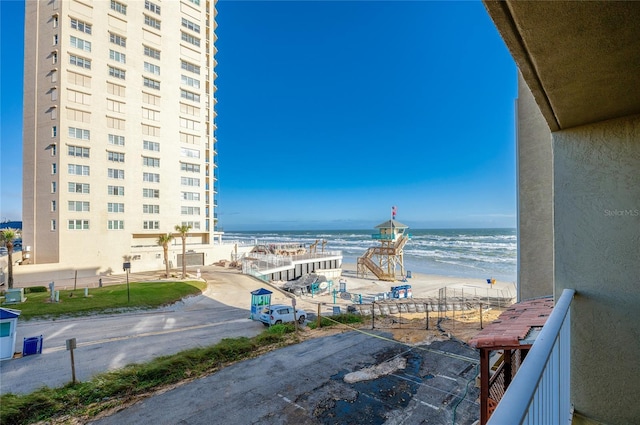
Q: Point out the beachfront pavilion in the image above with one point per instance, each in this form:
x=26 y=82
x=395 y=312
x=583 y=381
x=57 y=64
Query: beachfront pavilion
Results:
x=578 y=154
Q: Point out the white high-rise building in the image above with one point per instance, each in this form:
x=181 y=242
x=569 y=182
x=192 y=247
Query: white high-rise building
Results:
x=119 y=131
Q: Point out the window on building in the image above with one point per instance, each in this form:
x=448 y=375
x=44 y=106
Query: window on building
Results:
x=78 y=187
x=190 y=25
x=115 y=207
x=54 y=94
x=151 y=52
x=78 y=151
x=188 y=81
x=54 y=187
x=189 y=181
x=55 y=39
x=54 y=168
x=116 y=89
x=152 y=22
x=196 y=2
x=79 y=206
x=119 y=7
x=150 y=209
x=80 y=26
x=53 y=225
x=117 y=39
x=152 y=84
x=190 y=196
x=55 y=21
x=115 y=156
x=193 y=224
x=150 y=162
x=54 y=57
x=117 y=73
x=151 y=146
x=114 y=173
x=150 y=225
x=80 y=61
x=187 y=66
x=185 y=210
x=53 y=149
x=151 y=68
x=53 y=206
x=116 y=140
x=78 y=170
x=78 y=224
x=117 y=56
x=151 y=177
x=115 y=190
x=152 y=7
x=79 y=133
x=194 y=97
x=150 y=193
x=115 y=224
x=191 y=168
x=54 y=131
x=190 y=39
x=81 y=44
x=54 y=76
x=189 y=153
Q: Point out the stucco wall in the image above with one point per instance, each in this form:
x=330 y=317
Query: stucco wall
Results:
x=597 y=252
x=535 y=198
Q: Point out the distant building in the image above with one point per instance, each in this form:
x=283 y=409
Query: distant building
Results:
x=119 y=130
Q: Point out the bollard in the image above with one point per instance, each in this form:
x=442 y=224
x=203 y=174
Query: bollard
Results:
x=57 y=296
x=52 y=291
x=100 y=283
x=86 y=292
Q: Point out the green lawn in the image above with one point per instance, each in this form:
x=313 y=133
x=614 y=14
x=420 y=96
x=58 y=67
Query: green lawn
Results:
x=143 y=295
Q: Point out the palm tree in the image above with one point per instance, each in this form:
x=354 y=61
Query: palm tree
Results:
x=7 y=236
x=183 y=231
x=163 y=240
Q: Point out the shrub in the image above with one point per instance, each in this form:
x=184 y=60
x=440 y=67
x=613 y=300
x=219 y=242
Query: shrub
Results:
x=35 y=289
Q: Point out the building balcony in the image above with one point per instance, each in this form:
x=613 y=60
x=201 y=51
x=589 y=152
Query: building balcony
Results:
x=539 y=393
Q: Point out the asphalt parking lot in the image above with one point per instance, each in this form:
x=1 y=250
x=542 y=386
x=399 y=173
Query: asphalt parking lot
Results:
x=304 y=384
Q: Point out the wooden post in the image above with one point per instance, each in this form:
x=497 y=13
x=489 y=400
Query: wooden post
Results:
x=295 y=315
x=484 y=385
x=71 y=344
x=481 y=316
x=319 y=317
x=426 y=310
x=373 y=315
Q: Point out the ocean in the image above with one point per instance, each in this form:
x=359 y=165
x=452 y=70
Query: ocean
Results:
x=474 y=253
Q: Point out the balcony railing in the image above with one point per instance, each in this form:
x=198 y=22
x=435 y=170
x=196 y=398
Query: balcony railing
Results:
x=539 y=393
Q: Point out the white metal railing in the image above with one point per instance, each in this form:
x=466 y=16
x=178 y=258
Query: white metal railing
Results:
x=539 y=393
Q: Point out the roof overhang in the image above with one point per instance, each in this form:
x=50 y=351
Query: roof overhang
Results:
x=581 y=60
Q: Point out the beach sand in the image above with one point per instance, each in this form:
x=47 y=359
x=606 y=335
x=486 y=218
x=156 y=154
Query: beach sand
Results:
x=411 y=329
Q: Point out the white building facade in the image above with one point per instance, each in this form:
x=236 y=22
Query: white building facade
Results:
x=119 y=138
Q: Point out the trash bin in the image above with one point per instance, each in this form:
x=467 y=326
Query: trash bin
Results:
x=32 y=345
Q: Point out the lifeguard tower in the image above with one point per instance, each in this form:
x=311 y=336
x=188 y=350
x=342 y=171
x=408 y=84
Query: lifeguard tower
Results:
x=384 y=260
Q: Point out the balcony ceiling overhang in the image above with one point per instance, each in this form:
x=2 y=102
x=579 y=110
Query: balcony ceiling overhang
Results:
x=581 y=59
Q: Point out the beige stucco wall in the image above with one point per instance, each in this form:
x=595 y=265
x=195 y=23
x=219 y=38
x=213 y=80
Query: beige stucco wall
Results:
x=597 y=252
x=535 y=198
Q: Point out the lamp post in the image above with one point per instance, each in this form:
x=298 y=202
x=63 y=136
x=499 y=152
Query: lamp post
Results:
x=126 y=267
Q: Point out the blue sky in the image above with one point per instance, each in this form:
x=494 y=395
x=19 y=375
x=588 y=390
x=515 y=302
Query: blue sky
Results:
x=330 y=113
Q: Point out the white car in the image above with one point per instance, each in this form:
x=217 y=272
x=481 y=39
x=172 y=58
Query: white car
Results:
x=280 y=313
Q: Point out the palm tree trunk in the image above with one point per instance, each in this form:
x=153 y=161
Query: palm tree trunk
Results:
x=10 y=257
x=184 y=257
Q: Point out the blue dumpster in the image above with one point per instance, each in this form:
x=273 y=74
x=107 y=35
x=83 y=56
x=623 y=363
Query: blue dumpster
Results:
x=32 y=345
